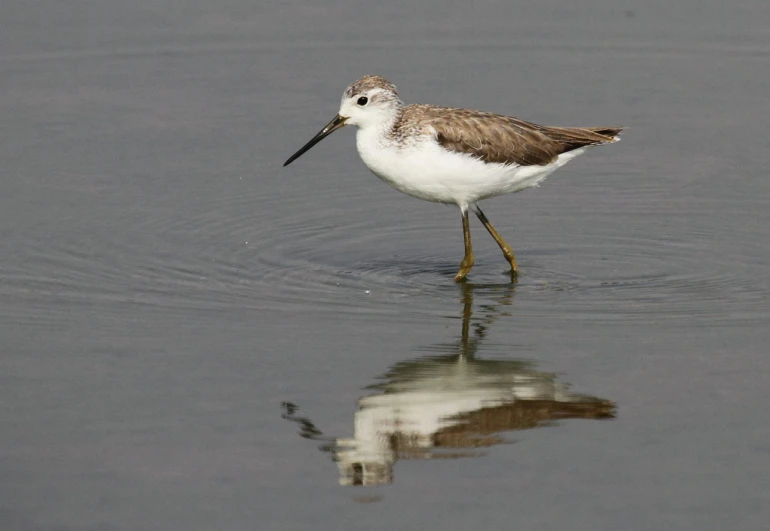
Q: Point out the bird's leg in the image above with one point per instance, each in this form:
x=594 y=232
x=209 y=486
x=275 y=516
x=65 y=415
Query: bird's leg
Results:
x=507 y=251
x=467 y=262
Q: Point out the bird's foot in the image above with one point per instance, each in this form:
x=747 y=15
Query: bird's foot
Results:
x=465 y=267
x=511 y=260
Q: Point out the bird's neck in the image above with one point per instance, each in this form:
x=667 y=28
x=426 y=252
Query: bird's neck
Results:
x=381 y=128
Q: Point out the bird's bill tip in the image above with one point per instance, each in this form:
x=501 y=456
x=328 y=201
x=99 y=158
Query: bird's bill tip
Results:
x=337 y=123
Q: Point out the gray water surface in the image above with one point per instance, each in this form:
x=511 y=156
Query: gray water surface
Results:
x=193 y=337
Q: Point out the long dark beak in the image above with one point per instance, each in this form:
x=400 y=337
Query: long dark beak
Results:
x=332 y=126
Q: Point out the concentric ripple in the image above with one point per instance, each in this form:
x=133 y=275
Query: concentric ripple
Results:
x=342 y=250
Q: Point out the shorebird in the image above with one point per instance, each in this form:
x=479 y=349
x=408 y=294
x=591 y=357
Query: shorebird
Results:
x=454 y=156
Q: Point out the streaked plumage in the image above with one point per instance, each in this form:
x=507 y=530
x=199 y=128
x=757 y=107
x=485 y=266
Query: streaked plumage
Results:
x=457 y=156
x=497 y=138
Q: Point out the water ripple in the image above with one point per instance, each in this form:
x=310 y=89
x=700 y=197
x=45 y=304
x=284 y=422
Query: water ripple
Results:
x=230 y=253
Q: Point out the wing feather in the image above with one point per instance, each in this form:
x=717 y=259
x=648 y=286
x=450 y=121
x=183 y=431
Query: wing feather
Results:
x=502 y=139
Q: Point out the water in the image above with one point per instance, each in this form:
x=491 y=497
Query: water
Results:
x=191 y=334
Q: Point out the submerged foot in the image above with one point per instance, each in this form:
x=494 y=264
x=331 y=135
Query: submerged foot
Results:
x=465 y=267
x=511 y=260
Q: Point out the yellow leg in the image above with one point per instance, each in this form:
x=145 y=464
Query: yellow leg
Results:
x=507 y=251
x=467 y=262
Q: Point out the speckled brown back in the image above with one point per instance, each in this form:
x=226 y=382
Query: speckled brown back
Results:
x=497 y=138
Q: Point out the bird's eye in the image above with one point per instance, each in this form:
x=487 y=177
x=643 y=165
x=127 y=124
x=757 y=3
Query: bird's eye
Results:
x=363 y=100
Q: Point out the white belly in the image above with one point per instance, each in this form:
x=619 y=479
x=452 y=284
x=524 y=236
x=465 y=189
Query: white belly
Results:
x=427 y=171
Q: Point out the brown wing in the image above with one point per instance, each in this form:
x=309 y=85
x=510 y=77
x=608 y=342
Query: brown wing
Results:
x=503 y=139
x=570 y=138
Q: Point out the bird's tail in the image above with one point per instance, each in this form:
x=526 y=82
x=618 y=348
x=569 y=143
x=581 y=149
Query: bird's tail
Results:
x=613 y=133
x=571 y=138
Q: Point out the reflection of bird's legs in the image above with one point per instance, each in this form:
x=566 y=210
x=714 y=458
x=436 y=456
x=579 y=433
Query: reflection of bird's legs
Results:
x=467 y=298
x=489 y=314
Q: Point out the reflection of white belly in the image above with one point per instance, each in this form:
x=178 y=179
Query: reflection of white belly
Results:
x=427 y=171
x=420 y=414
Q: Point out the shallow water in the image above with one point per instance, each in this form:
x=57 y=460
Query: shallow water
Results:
x=194 y=337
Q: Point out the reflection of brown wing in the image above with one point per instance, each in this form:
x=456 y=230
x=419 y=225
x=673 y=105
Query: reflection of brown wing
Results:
x=409 y=446
x=480 y=428
x=502 y=139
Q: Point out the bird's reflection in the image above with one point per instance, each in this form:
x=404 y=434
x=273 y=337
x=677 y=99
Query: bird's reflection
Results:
x=450 y=404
